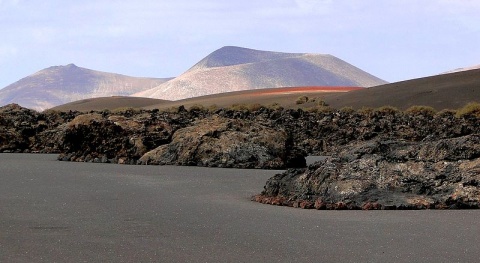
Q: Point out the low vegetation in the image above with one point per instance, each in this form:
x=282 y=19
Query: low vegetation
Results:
x=421 y=110
x=447 y=112
x=388 y=110
x=320 y=109
x=126 y=110
x=197 y=107
x=348 y=110
x=471 y=109
x=301 y=100
x=317 y=105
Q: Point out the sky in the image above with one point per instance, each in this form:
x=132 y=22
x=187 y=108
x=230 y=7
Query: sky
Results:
x=394 y=40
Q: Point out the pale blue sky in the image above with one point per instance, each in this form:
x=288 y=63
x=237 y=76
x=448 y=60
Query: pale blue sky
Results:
x=394 y=39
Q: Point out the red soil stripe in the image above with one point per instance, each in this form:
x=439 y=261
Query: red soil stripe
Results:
x=305 y=89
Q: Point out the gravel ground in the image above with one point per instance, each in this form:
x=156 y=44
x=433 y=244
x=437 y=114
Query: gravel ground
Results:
x=53 y=211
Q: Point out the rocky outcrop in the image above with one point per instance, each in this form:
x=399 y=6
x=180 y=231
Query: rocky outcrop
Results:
x=174 y=137
x=25 y=130
x=380 y=159
x=114 y=138
x=381 y=174
x=16 y=128
x=222 y=142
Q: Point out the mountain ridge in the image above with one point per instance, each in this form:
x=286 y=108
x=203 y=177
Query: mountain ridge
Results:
x=234 y=68
x=57 y=85
x=232 y=55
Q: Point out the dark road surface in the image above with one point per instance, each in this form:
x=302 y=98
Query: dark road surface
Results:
x=53 y=211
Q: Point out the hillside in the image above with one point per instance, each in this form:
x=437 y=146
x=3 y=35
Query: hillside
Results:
x=234 y=69
x=463 y=69
x=62 y=84
x=284 y=97
x=108 y=103
x=446 y=91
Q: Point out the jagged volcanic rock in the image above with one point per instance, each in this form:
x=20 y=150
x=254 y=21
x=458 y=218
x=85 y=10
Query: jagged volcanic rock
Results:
x=221 y=142
x=114 y=138
x=25 y=130
x=383 y=174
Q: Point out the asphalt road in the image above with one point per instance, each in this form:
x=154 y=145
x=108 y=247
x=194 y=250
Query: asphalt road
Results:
x=53 y=211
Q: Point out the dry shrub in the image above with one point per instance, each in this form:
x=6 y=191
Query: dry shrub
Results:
x=172 y=109
x=320 y=109
x=212 y=108
x=239 y=107
x=275 y=106
x=301 y=100
x=197 y=107
x=347 y=110
x=254 y=107
x=246 y=107
x=387 y=110
x=321 y=103
x=446 y=113
x=471 y=109
x=125 y=110
x=421 y=111
x=366 y=110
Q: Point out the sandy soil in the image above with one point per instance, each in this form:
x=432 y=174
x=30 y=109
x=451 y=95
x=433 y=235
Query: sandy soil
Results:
x=54 y=211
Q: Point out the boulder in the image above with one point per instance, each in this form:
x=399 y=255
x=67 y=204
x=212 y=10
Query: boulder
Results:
x=385 y=175
x=112 y=138
x=223 y=142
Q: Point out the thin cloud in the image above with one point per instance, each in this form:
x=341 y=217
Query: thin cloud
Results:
x=172 y=35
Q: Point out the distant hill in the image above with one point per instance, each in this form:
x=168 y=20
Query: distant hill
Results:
x=446 y=91
x=234 y=69
x=463 y=69
x=62 y=84
x=286 y=97
x=109 y=103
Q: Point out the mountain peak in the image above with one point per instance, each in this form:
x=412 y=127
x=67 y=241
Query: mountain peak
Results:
x=61 y=84
x=233 y=68
x=233 y=55
x=68 y=67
